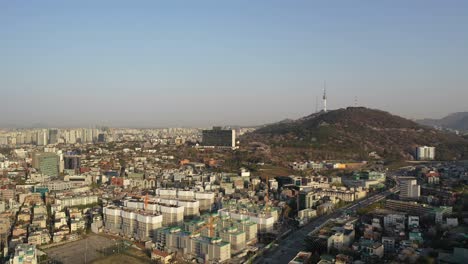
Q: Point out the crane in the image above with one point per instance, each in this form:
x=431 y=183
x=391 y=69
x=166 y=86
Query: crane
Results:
x=209 y=225
x=267 y=195
x=146 y=201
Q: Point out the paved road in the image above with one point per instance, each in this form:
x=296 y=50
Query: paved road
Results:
x=292 y=244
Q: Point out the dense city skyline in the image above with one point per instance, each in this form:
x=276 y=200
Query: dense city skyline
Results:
x=205 y=63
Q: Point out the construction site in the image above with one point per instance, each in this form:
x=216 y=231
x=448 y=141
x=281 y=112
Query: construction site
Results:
x=263 y=215
x=179 y=223
x=209 y=238
x=205 y=199
x=131 y=223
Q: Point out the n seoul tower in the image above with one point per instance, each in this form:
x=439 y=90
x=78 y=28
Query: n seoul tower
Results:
x=324 y=97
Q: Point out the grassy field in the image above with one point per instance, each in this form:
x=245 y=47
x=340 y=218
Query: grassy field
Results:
x=273 y=171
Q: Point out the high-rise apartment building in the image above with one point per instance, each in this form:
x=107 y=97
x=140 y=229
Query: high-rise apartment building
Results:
x=425 y=153
x=53 y=136
x=101 y=138
x=42 y=137
x=212 y=250
x=28 y=137
x=19 y=139
x=138 y=224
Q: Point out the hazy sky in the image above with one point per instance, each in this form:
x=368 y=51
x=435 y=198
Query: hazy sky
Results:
x=198 y=63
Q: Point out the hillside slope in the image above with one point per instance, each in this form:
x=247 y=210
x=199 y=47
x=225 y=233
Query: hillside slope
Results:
x=457 y=121
x=353 y=133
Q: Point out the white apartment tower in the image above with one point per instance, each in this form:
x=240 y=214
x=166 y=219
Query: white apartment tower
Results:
x=425 y=153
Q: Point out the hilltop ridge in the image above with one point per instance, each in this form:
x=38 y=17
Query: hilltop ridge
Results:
x=353 y=133
x=456 y=121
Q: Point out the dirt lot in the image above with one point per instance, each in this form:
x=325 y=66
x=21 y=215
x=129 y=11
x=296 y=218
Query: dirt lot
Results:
x=131 y=256
x=81 y=251
x=273 y=171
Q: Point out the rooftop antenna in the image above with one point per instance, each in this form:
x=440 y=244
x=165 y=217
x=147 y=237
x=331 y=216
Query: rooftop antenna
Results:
x=355 y=101
x=325 y=96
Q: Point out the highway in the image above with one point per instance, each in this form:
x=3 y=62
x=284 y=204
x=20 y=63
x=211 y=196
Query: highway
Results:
x=288 y=247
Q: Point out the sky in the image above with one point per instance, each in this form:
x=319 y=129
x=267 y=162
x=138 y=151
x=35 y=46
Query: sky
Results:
x=231 y=62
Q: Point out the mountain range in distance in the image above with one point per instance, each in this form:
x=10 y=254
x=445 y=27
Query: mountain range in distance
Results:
x=456 y=121
x=352 y=133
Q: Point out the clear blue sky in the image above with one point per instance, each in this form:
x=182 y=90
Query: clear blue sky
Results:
x=199 y=63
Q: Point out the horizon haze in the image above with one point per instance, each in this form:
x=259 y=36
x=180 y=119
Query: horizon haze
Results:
x=204 y=63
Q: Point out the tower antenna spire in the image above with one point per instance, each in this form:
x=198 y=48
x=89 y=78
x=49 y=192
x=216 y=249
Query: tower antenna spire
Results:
x=325 y=96
x=316 y=104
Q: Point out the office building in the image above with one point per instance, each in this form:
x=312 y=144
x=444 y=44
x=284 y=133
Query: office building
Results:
x=425 y=153
x=47 y=163
x=307 y=199
x=409 y=188
x=218 y=137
